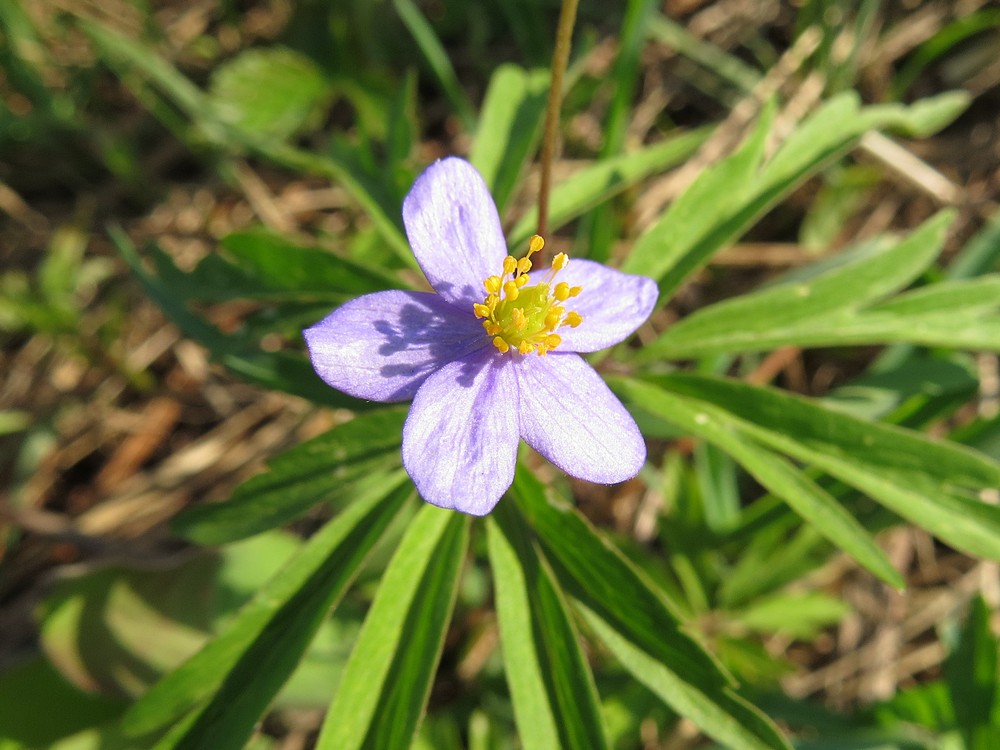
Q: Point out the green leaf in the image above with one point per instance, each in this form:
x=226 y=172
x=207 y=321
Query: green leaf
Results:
x=555 y=701
x=281 y=370
x=775 y=473
x=822 y=307
x=270 y=92
x=931 y=483
x=233 y=678
x=599 y=181
x=698 y=223
x=799 y=615
x=733 y=722
x=387 y=681
x=971 y=674
x=509 y=127
x=437 y=57
x=353 y=460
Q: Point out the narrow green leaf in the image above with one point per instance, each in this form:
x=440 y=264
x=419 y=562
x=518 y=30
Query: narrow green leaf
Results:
x=550 y=682
x=601 y=180
x=438 y=60
x=819 y=305
x=775 y=473
x=930 y=483
x=384 y=690
x=593 y=571
x=510 y=124
x=281 y=370
x=971 y=674
x=696 y=224
x=353 y=460
x=731 y=720
x=277 y=624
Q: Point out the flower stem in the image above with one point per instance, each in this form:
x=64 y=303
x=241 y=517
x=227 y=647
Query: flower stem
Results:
x=560 y=57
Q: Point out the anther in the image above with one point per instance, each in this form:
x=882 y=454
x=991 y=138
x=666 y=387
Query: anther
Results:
x=535 y=244
x=560 y=262
x=523 y=265
x=524 y=347
x=493 y=284
x=482 y=311
x=561 y=292
x=573 y=319
x=510 y=290
x=509 y=265
x=502 y=345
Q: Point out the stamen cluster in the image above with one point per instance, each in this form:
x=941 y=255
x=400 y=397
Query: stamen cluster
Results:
x=524 y=318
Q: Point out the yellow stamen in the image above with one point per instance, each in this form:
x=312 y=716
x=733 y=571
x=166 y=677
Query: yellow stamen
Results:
x=521 y=317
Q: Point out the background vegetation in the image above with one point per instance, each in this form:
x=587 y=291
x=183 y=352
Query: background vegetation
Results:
x=809 y=555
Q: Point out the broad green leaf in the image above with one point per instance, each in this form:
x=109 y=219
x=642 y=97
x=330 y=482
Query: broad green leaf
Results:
x=509 y=126
x=233 y=678
x=931 y=483
x=823 y=306
x=356 y=459
x=601 y=180
x=384 y=690
x=555 y=701
x=775 y=473
x=697 y=223
x=271 y=92
x=971 y=675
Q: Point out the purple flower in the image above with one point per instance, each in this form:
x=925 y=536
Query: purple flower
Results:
x=492 y=357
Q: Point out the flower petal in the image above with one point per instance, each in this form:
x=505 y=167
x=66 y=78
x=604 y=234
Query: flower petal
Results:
x=454 y=230
x=382 y=346
x=570 y=416
x=613 y=304
x=461 y=436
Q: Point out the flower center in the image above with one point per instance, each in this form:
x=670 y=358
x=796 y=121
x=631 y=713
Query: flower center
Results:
x=525 y=318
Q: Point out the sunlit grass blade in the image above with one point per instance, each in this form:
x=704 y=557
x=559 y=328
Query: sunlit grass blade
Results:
x=814 y=308
x=698 y=223
x=637 y=623
x=931 y=483
x=383 y=692
x=601 y=180
x=128 y=58
x=775 y=473
x=234 y=677
x=552 y=688
x=510 y=124
x=599 y=228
